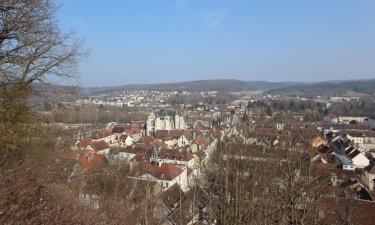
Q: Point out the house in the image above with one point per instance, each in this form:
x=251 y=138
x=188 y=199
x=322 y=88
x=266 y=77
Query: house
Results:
x=191 y=208
x=132 y=154
x=371 y=122
x=86 y=161
x=180 y=156
x=122 y=139
x=183 y=141
x=172 y=197
x=369 y=177
x=165 y=174
x=147 y=140
x=355 y=137
x=135 y=132
x=369 y=137
x=349 y=118
x=120 y=128
x=129 y=141
x=345 y=161
x=198 y=143
x=317 y=142
x=104 y=135
x=359 y=160
x=99 y=147
x=170 y=142
x=82 y=144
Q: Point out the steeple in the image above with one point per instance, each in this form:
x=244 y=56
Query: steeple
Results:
x=154 y=156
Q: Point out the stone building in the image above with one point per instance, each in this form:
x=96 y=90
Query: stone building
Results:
x=164 y=119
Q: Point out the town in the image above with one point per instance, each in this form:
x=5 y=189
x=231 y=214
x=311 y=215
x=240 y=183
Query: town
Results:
x=174 y=154
x=187 y=112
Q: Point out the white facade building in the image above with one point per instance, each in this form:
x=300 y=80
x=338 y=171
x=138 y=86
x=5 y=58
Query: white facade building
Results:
x=164 y=119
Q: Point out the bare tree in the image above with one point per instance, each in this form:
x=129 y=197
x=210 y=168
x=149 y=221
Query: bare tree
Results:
x=32 y=50
x=31 y=45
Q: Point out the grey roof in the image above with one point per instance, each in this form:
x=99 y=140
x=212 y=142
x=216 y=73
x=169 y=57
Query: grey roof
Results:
x=344 y=159
x=354 y=154
x=165 y=112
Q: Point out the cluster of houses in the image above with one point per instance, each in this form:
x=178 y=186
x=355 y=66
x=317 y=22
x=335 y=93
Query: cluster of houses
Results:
x=350 y=147
x=166 y=155
x=140 y=98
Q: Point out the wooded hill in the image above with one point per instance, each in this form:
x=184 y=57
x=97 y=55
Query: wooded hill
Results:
x=330 y=88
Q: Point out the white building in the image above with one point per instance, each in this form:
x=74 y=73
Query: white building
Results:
x=165 y=174
x=164 y=119
x=346 y=119
x=359 y=159
x=371 y=122
x=356 y=138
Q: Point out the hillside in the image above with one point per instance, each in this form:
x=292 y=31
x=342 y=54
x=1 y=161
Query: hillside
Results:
x=226 y=85
x=332 y=88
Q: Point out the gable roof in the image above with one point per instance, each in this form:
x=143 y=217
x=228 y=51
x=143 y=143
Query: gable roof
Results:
x=168 y=134
x=133 y=130
x=120 y=128
x=164 y=171
x=99 y=145
x=354 y=154
x=90 y=161
x=101 y=134
x=172 y=196
x=199 y=140
x=176 y=154
x=84 y=143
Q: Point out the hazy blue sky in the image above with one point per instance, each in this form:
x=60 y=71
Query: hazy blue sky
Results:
x=151 y=41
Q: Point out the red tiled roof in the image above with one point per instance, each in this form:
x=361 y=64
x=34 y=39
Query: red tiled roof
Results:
x=140 y=157
x=133 y=130
x=362 y=212
x=99 y=145
x=84 y=143
x=121 y=128
x=146 y=139
x=157 y=143
x=101 y=134
x=134 y=150
x=165 y=171
x=138 y=124
x=199 y=140
x=177 y=154
x=168 y=134
x=90 y=161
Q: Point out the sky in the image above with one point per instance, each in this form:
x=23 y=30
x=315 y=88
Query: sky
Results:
x=150 y=41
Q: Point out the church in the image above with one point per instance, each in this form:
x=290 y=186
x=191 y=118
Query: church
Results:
x=164 y=119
